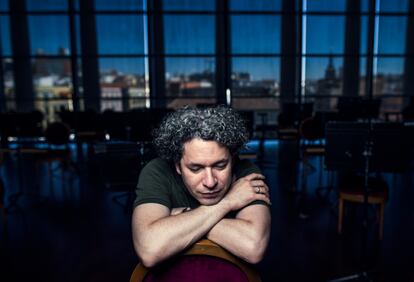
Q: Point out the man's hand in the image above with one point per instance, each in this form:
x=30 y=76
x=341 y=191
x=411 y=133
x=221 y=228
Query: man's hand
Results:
x=246 y=190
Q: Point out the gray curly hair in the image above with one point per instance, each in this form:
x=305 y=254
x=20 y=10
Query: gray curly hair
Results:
x=219 y=123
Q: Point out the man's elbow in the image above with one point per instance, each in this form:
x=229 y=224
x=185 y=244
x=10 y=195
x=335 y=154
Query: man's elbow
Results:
x=256 y=251
x=254 y=257
x=148 y=261
x=148 y=255
x=148 y=258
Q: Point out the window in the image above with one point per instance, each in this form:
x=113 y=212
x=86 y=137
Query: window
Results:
x=50 y=56
x=122 y=52
x=255 y=33
x=189 y=46
x=7 y=93
x=389 y=53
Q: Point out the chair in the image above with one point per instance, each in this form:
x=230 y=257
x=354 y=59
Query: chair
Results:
x=2 y=207
x=352 y=190
x=208 y=261
x=119 y=164
x=311 y=133
x=57 y=138
x=2 y=194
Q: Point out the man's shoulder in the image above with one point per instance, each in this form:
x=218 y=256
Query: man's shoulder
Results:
x=156 y=170
x=245 y=167
x=157 y=164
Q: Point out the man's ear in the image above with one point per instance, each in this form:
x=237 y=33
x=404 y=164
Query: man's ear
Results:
x=178 y=168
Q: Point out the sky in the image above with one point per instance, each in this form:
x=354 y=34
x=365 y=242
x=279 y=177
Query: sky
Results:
x=124 y=34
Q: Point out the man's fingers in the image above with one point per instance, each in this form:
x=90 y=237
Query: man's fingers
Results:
x=256 y=182
x=264 y=198
x=255 y=176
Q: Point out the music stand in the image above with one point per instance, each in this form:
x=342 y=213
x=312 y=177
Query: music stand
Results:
x=346 y=143
x=366 y=147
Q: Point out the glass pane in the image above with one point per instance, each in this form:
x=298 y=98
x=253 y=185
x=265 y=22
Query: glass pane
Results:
x=52 y=77
x=325 y=5
x=364 y=35
x=390 y=41
x=365 y=6
x=49 y=35
x=78 y=35
x=80 y=80
x=51 y=107
x=388 y=77
x=47 y=5
x=255 y=34
x=189 y=5
x=120 y=34
x=120 y=5
x=8 y=83
x=189 y=34
x=255 y=76
x=4 y=5
x=362 y=75
x=255 y=5
x=394 y=5
x=190 y=77
x=390 y=106
x=52 y=82
x=325 y=34
x=323 y=77
x=123 y=83
x=5 y=36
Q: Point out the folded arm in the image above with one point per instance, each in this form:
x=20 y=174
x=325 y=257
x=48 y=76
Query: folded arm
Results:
x=247 y=235
x=158 y=235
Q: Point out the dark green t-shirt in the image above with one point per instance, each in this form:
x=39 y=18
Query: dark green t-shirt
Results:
x=160 y=183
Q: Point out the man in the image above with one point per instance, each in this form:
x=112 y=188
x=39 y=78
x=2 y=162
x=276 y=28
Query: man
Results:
x=199 y=188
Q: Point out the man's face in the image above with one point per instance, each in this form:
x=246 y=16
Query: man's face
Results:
x=206 y=169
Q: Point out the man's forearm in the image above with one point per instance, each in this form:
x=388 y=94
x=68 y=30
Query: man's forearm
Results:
x=172 y=234
x=244 y=238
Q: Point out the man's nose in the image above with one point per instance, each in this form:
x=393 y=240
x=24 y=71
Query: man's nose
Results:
x=209 y=180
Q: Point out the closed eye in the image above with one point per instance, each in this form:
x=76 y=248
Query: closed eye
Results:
x=221 y=166
x=195 y=169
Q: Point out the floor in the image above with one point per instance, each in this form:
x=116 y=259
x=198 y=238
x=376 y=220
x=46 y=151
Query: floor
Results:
x=79 y=230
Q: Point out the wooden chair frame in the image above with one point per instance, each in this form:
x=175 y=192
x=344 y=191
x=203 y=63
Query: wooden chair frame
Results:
x=207 y=248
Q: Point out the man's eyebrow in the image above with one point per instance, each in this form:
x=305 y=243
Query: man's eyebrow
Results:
x=225 y=160
x=191 y=164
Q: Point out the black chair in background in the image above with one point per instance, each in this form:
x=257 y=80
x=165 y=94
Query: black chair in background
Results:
x=20 y=126
x=290 y=117
x=120 y=163
x=87 y=126
x=115 y=124
x=142 y=122
x=56 y=151
x=2 y=194
x=408 y=112
x=354 y=108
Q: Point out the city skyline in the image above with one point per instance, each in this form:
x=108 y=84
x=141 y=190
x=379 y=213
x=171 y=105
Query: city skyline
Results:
x=126 y=35
x=189 y=35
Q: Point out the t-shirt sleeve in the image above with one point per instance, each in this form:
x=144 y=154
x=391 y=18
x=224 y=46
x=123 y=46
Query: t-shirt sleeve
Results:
x=154 y=184
x=244 y=168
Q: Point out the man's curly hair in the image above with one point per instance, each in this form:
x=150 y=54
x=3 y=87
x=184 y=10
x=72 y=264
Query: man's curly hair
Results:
x=219 y=123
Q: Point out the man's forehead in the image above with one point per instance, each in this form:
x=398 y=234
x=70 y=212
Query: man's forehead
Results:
x=198 y=149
